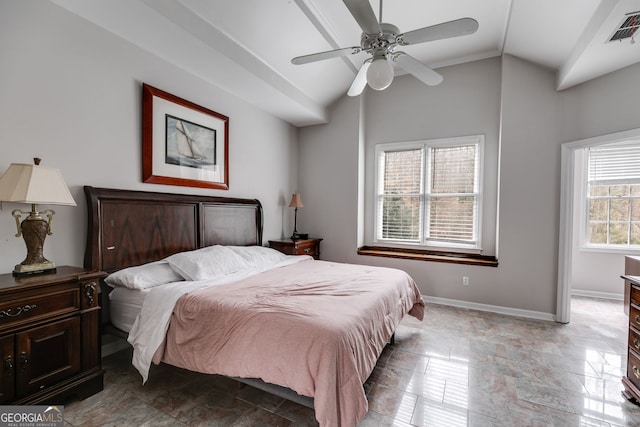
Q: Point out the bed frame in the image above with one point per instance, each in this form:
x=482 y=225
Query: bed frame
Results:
x=127 y=228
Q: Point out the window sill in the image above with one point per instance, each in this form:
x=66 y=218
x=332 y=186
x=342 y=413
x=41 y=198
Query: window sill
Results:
x=427 y=255
x=611 y=250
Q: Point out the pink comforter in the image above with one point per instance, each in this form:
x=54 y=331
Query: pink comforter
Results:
x=315 y=327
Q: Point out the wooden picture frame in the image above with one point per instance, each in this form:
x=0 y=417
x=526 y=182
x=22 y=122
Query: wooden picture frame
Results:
x=183 y=143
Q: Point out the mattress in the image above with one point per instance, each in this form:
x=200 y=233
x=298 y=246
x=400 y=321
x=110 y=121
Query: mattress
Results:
x=125 y=305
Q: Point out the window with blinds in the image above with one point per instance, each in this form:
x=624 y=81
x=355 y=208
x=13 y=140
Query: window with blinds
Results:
x=429 y=192
x=613 y=196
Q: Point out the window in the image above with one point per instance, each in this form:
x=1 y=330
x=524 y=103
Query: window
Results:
x=613 y=196
x=429 y=192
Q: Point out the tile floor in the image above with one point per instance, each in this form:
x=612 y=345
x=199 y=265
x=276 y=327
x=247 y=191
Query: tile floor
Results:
x=458 y=367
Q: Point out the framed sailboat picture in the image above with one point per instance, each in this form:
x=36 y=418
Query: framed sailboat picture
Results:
x=183 y=143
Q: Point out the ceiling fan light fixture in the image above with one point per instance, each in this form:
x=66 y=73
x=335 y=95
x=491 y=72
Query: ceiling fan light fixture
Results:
x=380 y=74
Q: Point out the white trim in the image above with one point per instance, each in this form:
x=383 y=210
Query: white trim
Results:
x=565 y=246
x=565 y=243
x=425 y=144
x=538 y=315
x=596 y=294
x=627 y=250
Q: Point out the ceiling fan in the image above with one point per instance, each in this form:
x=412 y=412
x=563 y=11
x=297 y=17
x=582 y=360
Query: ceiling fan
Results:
x=382 y=40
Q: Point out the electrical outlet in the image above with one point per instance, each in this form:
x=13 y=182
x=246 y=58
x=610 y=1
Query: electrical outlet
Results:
x=465 y=280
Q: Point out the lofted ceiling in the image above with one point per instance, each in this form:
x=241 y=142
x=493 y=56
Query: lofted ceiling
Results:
x=246 y=46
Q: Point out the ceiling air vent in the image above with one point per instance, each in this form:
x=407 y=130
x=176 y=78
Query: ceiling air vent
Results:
x=629 y=26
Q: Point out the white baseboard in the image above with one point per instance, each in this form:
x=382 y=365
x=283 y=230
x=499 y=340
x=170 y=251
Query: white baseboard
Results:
x=492 y=308
x=596 y=294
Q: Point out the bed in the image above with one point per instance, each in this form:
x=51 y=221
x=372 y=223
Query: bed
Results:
x=304 y=329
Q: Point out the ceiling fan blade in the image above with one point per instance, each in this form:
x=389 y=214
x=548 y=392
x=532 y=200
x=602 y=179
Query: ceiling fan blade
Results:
x=360 y=81
x=364 y=15
x=458 y=27
x=305 y=59
x=417 y=69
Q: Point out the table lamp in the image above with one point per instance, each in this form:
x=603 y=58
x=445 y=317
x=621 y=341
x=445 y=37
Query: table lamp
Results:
x=34 y=184
x=296 y=202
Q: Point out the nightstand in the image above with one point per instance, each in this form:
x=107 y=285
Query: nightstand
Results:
x=49 y=336
x=297 y=247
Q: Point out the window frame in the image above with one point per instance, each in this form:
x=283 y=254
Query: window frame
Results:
x=585 y=245
x=424 y=242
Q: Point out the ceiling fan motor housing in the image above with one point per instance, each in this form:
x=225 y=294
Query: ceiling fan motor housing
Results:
x=383 y=40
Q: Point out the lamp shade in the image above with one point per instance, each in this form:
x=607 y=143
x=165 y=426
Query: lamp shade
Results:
x=380 y=73
x=296 y=201
x=24 y=183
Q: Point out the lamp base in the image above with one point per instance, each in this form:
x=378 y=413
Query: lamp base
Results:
x=34 y=230
x=299 y=236
x=36 y=268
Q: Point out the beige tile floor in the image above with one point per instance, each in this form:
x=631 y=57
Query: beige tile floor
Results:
x=458 y=367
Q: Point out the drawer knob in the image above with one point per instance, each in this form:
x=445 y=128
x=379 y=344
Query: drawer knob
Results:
x=19 y=311
x=307 y=250
x=637 y=319
x=8 y=366
x=636 y=343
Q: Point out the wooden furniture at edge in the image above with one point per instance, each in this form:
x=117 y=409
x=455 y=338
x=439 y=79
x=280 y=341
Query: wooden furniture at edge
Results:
x=297 y=247
x=631 y=278
x=631 y=268
x=49 y=336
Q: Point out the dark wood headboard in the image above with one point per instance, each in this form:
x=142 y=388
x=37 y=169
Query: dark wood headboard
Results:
x=127 y=228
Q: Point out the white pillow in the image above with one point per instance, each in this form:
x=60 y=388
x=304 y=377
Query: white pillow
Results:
x=144 y=276
x=259 y=256
x=207 y=263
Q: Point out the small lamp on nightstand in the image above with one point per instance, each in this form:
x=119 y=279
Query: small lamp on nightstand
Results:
x=296 y=202
x=34 y=184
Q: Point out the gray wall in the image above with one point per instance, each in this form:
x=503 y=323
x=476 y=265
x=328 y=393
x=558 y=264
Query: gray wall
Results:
x=531 y=119
x=70 y=93
x=467 y=102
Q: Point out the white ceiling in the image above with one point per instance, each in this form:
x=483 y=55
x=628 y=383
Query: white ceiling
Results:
x=245 y=46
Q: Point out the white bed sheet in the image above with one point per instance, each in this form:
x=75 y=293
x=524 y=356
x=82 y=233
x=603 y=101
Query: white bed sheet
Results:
x=125 y=305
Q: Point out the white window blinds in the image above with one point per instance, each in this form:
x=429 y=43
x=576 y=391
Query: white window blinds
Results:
x=428 y=192
x=399 y=205
x=453 y=193
x=609 y=164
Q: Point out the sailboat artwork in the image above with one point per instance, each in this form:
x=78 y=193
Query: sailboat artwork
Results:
x=183 y=143
x=189 y=144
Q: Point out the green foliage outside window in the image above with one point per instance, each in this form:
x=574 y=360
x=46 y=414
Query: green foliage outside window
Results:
x=614 y=214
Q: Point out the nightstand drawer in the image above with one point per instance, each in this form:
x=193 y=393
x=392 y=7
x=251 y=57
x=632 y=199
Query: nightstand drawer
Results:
x=297 y=247
x=39 y=306
x=308 y=247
